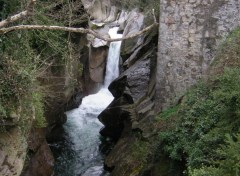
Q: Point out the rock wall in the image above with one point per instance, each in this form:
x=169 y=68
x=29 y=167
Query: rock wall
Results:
x=189 y=34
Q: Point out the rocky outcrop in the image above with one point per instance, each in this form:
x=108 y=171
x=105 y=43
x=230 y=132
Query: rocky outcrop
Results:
x=13 y=148
x=190 y=32
x=131 y=92
x=100 y=10
x=64 y=91
x=105 y=15
x=97 y=63
x=133 y=24
x=41 y=161
x=131 y=112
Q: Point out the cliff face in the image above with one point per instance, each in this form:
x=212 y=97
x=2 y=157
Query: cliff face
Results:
x=189 y=34
x=44 y=81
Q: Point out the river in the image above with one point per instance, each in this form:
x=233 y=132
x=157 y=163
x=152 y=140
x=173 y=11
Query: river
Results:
x=80 y=153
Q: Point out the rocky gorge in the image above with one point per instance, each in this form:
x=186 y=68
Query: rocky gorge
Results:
x=156 y=70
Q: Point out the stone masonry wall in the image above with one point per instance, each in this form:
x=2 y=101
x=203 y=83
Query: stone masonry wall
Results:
x=190 y=32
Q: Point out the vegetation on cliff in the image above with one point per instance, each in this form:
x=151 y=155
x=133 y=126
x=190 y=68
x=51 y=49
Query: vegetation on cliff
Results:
x=206 y=134
x=26 y=59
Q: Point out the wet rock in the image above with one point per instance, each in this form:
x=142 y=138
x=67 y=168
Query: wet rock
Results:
x=74 y=101
x=97 y=63
x=55 y=133
x=89 y=86
x=42 y=161
x=113 y=119
x=128 y=89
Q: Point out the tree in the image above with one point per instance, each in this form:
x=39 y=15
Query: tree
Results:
x=30 y=11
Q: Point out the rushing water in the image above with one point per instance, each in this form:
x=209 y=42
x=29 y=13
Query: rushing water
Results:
x=80 y=154
x=112 y=69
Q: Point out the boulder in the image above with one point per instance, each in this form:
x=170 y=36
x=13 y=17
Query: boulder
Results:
x=13 y=148
x=42 y=160
x=134 y=23
x=128 y=89
x=113 y=119
x=97 y=63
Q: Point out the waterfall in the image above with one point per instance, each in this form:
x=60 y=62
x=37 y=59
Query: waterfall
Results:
x=81 y=155
x=112 y=69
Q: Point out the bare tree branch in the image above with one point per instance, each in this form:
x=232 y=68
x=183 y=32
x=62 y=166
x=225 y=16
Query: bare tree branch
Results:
x=29 y=11
x=75 y=30
x=20 y=15
x=154 y=17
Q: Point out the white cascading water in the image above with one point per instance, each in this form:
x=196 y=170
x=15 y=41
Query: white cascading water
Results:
x=84 y=158
x=112 y=69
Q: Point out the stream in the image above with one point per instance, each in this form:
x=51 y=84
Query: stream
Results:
x=80 y=153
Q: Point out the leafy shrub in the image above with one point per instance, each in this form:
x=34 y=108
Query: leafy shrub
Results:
x=229 y=162
x=169 y=112
x=141 y=151
x=207 y=114
x=38 y=105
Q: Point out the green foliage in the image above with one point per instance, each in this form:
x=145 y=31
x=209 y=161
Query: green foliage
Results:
x=141 y=151
x=228 y=54
x=16 y=71
x=229 y=162
x=206 y=133
x=25 y=55
x=170 y=112
x=8 y=8
x=207 y=114
x=38 y=105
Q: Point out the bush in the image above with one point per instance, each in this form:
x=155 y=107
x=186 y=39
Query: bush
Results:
x=206 y=134
x=229 y=162
x=38 y=105
x=207 y=114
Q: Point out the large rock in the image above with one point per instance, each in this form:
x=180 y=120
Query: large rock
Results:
x=100 y=10
x=97 y=63
x=134 y=23
x=42 y=161
x=114 y=118
x=131 y=86
x=13 y=148
x=133 y=91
